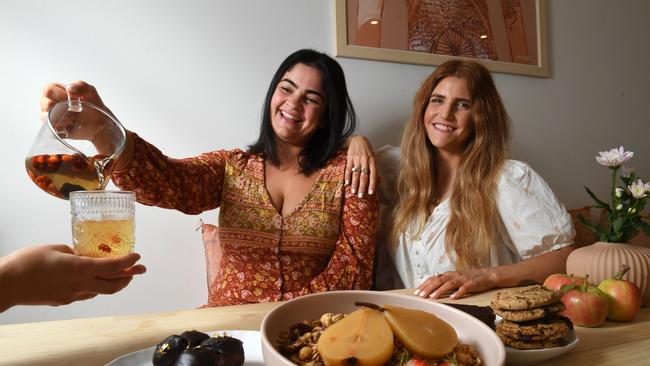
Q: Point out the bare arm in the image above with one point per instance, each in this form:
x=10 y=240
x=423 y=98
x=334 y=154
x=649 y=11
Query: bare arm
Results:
x=54 y=275
x=535 y=269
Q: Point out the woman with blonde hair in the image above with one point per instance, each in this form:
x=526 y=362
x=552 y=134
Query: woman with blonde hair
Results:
x=465 y=218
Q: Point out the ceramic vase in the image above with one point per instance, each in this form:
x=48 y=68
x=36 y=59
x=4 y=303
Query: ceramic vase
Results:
x=602 y=260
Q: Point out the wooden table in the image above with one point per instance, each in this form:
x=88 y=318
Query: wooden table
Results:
x=96 y=341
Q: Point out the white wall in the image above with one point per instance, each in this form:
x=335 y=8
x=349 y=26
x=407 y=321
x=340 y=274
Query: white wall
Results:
x=190 y=76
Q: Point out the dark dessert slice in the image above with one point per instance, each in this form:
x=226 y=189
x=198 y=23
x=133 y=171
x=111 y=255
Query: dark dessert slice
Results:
x=482 y=313
x=194 y=337
x=194 y=348
x=197 y=357
x=230 y=350
x=168 y=350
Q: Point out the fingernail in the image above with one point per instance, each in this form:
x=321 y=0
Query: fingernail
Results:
x=416 y=292
x=360 y=194
x=347 y=182
x=354 y=191
x=370 y=191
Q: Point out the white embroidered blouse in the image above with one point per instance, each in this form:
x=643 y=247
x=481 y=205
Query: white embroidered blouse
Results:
x=532 y=222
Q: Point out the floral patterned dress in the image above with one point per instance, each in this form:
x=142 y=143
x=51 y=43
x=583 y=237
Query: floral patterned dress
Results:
x=326 y=243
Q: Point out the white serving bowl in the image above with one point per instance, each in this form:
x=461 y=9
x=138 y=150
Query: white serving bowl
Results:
x=469 y=329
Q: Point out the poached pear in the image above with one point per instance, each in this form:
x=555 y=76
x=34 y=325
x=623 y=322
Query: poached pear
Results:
x=420 y=332
x=363 y=338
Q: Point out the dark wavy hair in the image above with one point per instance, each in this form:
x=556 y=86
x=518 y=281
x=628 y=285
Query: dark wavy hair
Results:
x=340 y=118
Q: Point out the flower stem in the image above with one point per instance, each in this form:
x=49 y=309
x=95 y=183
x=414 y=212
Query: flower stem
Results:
x=614 y=173
x=613 y=236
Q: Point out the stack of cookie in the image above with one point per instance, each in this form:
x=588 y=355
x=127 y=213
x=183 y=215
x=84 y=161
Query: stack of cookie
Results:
x=530 y=317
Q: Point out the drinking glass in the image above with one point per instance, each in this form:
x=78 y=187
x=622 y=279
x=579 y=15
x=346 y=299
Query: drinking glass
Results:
x=75 y=149
x=103 y=222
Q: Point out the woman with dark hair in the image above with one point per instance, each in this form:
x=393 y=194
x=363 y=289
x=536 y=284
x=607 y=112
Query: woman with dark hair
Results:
x=288 y=223
x=464 y=218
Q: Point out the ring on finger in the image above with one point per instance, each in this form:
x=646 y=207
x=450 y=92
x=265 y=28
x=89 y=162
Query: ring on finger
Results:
x=364 y=170
x=355 y=169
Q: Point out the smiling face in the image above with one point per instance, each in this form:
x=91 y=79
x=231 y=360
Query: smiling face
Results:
x=448 y=116
x=298 y=105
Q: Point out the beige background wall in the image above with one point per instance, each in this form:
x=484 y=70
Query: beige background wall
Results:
x=191 y=75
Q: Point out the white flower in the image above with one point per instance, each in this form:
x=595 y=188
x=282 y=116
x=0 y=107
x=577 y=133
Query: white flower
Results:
x=619 y=192
x=626 y=171
x=647 y=187
x=638 y=189
x=614 y=157
x=619 y=207
x=631 y=210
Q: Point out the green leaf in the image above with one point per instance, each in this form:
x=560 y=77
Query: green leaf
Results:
x=600 y=204
x=617 y=224
x=645 y=227
x=586 y=223
x=567 y=288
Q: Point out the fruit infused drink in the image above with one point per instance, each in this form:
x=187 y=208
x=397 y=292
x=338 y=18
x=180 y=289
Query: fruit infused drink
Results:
x=103 y=222
x=60 y=174
x=103 y=238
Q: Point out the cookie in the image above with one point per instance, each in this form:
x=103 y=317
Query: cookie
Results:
x=530 y=314
x=540 y=330
x=532 y=345
x=523 y=298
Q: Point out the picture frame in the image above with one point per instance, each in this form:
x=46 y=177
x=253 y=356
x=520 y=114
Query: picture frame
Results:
x=513 y=44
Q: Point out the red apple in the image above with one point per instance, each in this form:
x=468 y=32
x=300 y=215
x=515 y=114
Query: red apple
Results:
x=586 y=305
x=624 y=297
x=557 y=280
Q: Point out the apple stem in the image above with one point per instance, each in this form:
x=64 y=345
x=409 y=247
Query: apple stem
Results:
x=619 y=275
x=586 y=283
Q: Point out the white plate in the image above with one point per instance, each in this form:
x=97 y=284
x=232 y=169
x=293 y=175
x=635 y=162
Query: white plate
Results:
x=250 y=338
x=519 y=357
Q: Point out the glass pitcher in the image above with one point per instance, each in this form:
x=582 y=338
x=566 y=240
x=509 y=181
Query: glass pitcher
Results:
x=75 y=149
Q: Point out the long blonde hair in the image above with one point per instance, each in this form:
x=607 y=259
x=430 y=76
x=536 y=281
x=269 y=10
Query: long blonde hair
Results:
x=471 y=230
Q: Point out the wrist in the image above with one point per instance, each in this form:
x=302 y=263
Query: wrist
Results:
x=124 y=160
x=496 y=279
x=8 y=281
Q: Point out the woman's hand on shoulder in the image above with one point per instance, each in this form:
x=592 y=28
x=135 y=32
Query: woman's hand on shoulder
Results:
x=457 y=283
x=360 y=169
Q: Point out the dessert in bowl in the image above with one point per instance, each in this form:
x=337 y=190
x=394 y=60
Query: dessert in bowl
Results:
x=469 y=330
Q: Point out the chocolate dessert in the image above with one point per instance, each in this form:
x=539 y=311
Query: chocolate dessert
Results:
x=194 y=348
x=482 y=313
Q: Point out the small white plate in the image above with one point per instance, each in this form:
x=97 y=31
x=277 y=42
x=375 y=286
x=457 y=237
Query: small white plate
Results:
x=250 y=338
x=518 y=357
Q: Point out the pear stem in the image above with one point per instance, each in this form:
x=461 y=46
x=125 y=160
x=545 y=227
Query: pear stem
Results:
x=369 y=305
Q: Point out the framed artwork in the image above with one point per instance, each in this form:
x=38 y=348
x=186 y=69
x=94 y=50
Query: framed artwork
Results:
x=507 y=36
